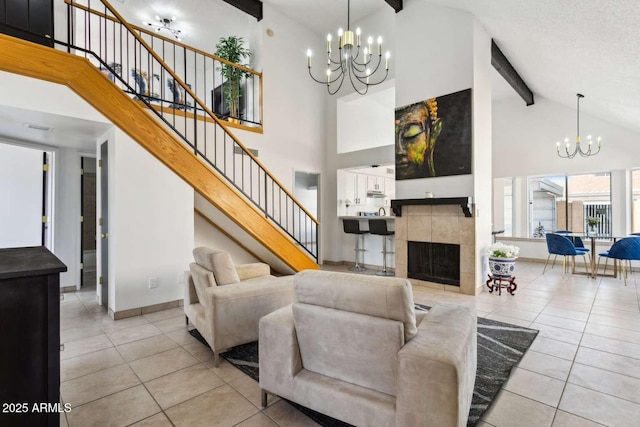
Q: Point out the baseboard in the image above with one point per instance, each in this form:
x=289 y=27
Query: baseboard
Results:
x=71 y=288
x=332 y=262
x=132 y=312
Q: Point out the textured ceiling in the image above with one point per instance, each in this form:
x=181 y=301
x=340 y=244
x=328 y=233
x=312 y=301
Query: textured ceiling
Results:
x=564 y=47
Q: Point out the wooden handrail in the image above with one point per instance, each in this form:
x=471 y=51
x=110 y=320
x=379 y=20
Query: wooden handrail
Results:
x=205 y=108
x=172 y=41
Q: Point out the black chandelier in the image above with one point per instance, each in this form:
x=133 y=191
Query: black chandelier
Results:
x=350 y=62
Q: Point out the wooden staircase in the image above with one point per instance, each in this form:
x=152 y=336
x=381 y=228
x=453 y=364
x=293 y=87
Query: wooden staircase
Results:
x=77 y=73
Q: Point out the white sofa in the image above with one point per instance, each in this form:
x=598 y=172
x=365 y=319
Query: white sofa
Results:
x=225 y=301
x=352 y=347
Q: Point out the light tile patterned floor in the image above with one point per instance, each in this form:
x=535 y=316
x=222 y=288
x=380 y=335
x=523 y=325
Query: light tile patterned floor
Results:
x=582 y=370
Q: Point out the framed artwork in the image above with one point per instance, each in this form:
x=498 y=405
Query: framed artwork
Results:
x=433 y=137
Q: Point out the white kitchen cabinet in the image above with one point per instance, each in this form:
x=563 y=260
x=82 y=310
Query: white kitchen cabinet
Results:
x=360 y=191
x=375 y=183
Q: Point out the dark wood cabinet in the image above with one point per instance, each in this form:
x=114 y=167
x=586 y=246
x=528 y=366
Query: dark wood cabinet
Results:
x=29 y=337
x=30 y=20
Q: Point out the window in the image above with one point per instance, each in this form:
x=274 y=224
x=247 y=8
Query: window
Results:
x=567 y=202
x=635 y=200
x=508 y=207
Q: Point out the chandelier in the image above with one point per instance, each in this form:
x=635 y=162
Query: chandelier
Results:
x=570 y=154
x=351 y=63
x=165 y=24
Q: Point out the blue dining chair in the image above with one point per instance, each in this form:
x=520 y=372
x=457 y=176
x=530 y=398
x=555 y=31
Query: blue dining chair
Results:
x=626 y=249
x=577 y=240
x=558 y=244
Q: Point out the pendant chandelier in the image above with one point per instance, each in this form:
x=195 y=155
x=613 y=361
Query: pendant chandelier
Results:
x=351 y=62
x=567 y=153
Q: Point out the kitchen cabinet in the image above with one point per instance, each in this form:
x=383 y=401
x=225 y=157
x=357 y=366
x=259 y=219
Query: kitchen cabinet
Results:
x=375 y=183
x=360 y=193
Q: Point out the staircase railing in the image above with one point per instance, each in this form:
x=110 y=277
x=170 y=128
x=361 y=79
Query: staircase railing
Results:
x=115 y=47
x=202 y=72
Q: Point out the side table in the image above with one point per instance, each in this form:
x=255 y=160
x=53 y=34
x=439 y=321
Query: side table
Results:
x=509 y=283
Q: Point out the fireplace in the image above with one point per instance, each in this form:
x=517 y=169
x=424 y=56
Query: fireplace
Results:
x=434 y=262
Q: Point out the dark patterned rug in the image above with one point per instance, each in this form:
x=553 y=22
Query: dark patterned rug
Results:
x=500 y=348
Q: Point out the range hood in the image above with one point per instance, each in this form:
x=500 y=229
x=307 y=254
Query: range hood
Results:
x=376 y=194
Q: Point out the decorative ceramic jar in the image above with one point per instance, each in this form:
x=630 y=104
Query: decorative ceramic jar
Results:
x=502 y=267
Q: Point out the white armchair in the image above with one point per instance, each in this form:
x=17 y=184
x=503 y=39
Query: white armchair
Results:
x=225 y=302
x=353 y=348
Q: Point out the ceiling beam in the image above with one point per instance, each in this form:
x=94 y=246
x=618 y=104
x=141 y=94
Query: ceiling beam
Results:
x=395 y=4
x=252 y=7
x=506 y=70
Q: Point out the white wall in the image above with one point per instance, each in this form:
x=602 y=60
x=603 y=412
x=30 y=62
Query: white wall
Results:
x=21 y=192
x=151 y=227
x=207 y=235
x=366 y=121
x=482 y=182
x=294 y=116
x=434 y=47
x=521 y=132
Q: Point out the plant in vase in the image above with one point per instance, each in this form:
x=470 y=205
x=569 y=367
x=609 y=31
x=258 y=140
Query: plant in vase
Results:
x=592 y=223
x=347 y=203
x=502 y=259
x=232 y=49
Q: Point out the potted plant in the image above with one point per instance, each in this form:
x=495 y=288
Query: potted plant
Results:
x=502 y=259
x=593 y=222
x=232 y=49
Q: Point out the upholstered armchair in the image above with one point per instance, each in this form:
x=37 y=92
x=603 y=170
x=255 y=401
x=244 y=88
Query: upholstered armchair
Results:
x=352 y=347
x=225 y=301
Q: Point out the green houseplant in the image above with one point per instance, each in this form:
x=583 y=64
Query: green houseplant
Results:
x=232 y=49
x=502 y=259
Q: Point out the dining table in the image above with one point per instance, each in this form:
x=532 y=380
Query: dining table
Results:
x=593 y=237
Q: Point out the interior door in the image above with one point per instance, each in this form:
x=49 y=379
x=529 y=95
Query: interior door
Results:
x=104 y=229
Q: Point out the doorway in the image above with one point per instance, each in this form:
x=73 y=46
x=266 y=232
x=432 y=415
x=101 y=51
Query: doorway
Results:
x=104 y=225
x=306 y=190
x=88 y=223
x=25 y=185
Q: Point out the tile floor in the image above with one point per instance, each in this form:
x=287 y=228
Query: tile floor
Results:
x=582 y=370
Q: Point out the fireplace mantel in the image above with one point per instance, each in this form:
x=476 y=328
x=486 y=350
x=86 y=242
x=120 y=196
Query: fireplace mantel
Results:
x=464 y=202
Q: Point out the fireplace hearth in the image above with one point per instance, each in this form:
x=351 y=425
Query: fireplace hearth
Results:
x=434 y=262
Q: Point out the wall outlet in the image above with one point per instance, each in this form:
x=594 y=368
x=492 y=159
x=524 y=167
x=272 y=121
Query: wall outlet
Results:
x=153 y=282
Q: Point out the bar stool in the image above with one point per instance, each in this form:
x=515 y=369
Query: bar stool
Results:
x=352 y=226
x=379 y=227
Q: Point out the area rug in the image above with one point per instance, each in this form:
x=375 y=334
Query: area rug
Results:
x=500 y=348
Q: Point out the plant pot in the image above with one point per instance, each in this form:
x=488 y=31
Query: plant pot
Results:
x=502 y=267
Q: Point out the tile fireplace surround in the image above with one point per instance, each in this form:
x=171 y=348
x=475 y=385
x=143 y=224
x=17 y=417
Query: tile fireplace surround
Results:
x=438 y=224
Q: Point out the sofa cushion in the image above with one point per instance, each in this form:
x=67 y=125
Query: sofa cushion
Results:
x=202 y=279
x=219 y=262
x=386 y=297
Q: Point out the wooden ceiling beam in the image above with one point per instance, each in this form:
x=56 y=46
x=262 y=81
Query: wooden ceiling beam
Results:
x=395 y=4
x=506 y=70
x=252 y=7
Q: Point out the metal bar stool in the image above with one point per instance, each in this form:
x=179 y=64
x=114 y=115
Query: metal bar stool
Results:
x=352 y=226
x=379 y=227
